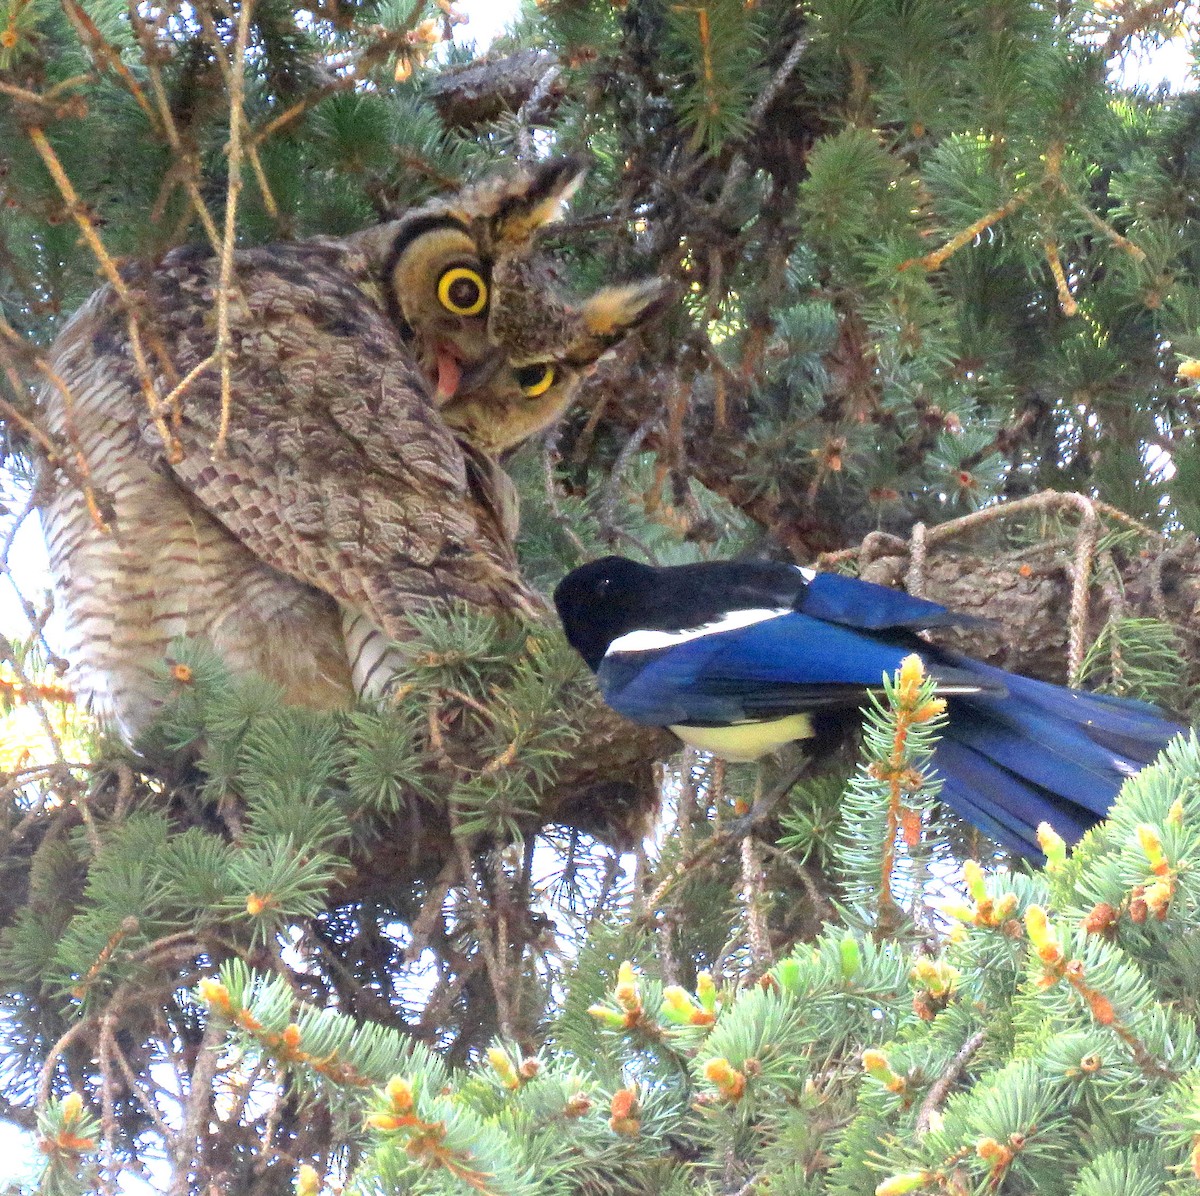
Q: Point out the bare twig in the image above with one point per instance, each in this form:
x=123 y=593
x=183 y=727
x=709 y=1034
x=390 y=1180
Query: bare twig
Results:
x=144 y=1096
x=941 y=1088
x=1085 y=550
x=236 y=87
x=731 y=833
x=46 y=1075
x=91 y=36
x=740 y=168
x=754 y=898
x=187 y=160
x=1134 y=20
x=549 y=460
x=79 y=473
x=108 y=1114
x=488 y=946
x=200 y=1093
x=109 y=267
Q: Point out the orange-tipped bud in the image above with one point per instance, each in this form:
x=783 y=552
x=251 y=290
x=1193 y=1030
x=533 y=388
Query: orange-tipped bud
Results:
x=255 y=904
x=400 y=1094
x=875 y=1064
x=1158 y=897
x=384 y=1121
x=623 y=1104
x=1101 y=1008
x=628 y=994
x=1052 y=843
x=308 y=1181
x=912 y=674
x=938 y=976
x=973 y=875
x=577 y=1106
x=677 y=1005
x=1005 y=907
x=929 y=710
x=1188 y=370
x=502 y=1066
x=181 y=673
x=1100 y=919
x=73 y=1143
x=529 y=1068
x=214 y=994
x=72 y=1107
x=706 y=990
x=1138 y=910
x=291 y=1036
x=730 y=1082
x=905 y=1182
x=427 y=33
x=993 y=1152
x=1148 y=837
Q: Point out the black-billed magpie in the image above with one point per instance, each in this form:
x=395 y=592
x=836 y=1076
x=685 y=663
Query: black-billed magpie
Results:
x=740 y=658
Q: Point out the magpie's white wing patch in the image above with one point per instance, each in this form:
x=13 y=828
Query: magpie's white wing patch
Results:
x=646 y=640
x=809 y=575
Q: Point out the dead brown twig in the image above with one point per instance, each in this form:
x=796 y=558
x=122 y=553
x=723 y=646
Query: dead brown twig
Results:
x=94 y=242
x=81 y=474
x=941 y=1087
x=235 y=81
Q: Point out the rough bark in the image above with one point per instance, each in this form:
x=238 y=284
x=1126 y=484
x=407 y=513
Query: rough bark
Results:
x=1026 y=594
x=481 y=91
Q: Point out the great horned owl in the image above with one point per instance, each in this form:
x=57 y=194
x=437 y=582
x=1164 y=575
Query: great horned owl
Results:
x=463 y=277
x=342 y=499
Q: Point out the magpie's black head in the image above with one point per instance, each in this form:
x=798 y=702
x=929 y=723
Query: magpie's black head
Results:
x=602 y=600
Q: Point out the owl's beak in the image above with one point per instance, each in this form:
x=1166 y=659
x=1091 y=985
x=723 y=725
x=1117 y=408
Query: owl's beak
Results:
x=480 y=374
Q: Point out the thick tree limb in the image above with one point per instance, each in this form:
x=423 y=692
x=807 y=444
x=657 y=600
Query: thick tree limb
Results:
x=1026 y=594
x=481 y=91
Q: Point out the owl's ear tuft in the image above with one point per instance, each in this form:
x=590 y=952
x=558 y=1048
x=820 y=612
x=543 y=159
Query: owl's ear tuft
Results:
x=538 y=198
x=612 y=311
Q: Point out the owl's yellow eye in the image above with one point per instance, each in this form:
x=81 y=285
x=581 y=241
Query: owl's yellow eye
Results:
x=462 y=291
x=535 y=379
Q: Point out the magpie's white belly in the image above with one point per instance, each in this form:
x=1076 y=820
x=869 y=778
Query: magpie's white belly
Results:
x=741 y=742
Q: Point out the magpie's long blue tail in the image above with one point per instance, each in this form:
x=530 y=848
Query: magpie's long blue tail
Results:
x=1041 y=753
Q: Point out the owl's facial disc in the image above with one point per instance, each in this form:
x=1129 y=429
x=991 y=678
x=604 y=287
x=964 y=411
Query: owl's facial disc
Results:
x=439 y=295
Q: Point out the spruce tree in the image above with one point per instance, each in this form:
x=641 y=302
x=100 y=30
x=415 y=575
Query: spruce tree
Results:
x=936 y=324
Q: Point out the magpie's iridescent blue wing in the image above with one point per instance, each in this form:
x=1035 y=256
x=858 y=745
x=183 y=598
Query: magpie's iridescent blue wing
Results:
x=791 y=663
x=869 y=607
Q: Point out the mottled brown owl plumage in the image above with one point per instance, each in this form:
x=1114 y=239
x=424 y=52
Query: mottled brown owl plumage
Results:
x=374 y=380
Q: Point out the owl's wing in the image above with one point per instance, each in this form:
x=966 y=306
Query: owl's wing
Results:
x=336 y=469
